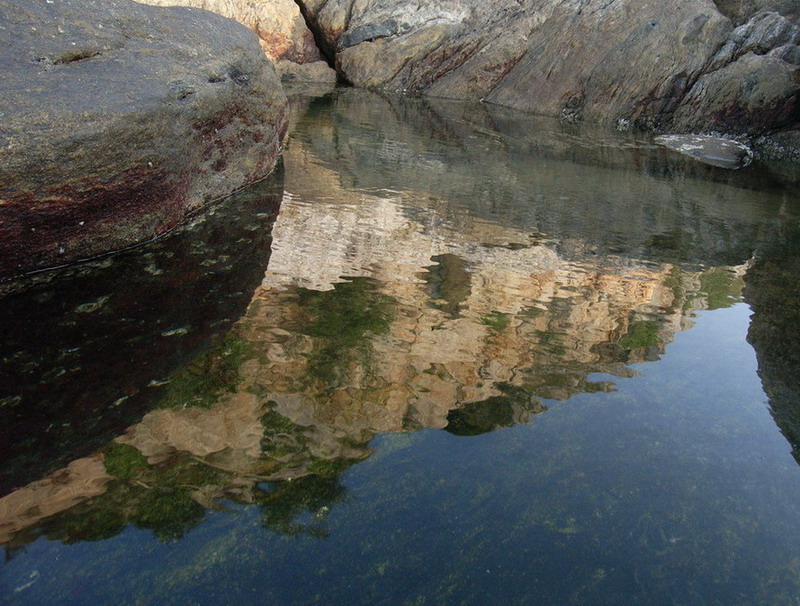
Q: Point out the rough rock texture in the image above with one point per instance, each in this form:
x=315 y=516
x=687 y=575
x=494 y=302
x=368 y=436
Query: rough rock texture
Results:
x=118 y=119
x=681 y=65
x=739 y=11
x=279 y=25
x=752 y=83
x=281 y=30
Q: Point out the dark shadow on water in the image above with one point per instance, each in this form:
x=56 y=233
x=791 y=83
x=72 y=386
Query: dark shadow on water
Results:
x=513 y=407
x=773 y=291
x=85 y=348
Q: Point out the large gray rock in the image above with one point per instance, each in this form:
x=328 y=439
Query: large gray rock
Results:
x=754 y=93
x=674 y=66
x=751 y=85
x=118 y=119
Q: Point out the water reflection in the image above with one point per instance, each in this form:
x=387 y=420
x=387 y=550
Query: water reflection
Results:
x=85 y=350
x=428 y=271
x=773 y=289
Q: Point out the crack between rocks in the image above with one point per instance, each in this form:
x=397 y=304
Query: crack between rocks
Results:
x=324 y=48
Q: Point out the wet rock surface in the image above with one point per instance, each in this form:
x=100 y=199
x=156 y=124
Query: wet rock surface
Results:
x=119 y=119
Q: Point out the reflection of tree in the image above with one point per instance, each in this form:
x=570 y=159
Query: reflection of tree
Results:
x=516 y=405
x=344 y=320
x=171 y=498
x=300 y=506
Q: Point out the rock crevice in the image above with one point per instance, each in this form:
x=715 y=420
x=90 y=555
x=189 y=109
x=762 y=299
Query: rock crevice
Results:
x=327 y=53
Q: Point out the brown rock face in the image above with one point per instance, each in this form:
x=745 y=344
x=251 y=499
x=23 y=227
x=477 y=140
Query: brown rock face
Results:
x=119 y=119
x=280 y=27
x=281 y=30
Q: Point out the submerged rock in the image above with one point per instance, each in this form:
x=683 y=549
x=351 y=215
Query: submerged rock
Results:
x=119 y=119
x=715 y=151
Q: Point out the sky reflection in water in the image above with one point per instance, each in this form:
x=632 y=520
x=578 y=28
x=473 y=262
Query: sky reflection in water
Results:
x=482 y=365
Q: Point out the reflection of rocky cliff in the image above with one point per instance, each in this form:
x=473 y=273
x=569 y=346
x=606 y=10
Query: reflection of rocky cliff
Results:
x=602 y=194
x=478 y=309
x=421 y=312
x=89 y=345
x=773 y=287
x=295 y=393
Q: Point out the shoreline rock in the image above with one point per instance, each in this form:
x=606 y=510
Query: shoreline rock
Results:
x=701 y=67
x=688 y=66
x=119 y=120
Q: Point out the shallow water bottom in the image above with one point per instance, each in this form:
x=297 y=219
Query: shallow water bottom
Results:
x=453 y=385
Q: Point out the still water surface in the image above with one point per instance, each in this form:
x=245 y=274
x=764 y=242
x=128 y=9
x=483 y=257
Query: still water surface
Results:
x=479 y=358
